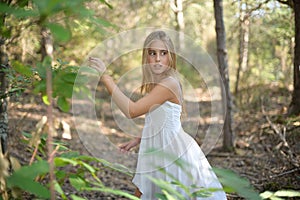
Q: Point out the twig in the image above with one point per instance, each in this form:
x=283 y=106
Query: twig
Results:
x=281 y=174
x=282 y=136
x=285 y=173
x=51 y=157
x=34 y=154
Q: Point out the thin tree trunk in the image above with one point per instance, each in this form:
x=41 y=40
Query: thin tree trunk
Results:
x=228 y=138
x=3 y=101
x=3 y=90
x=47 y=50
x=243 y=45
x=294 y=108
x=177 y=7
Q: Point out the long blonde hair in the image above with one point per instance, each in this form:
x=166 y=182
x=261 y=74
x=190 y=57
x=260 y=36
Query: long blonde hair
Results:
x=147 y=81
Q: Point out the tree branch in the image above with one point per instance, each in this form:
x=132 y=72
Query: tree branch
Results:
x=290 y=3
x=256 y=7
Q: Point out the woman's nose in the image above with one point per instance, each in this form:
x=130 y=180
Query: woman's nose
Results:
x=157 y=58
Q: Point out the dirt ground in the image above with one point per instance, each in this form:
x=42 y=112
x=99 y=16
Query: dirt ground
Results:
x=267 y=143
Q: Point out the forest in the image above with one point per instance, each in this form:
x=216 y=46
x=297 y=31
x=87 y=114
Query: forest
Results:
x=239 y=64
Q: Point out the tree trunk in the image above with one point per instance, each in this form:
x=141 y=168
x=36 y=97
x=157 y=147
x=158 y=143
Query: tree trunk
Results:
x=46 y=43
x=3 y=101
x=243 y=44
x=47 y=50
x=228 y=138
x=177 y=7
x=294 y=108
x=3 y=91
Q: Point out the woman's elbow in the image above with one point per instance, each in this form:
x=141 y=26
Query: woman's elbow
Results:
x=132 y=114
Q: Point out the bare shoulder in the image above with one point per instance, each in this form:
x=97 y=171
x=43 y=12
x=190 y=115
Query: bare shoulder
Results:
x=173 y=85
x=170 y=82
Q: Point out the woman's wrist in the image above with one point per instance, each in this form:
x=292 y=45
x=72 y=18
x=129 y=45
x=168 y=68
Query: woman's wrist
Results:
x=105 y=78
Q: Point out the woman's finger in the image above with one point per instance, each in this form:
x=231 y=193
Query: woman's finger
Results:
x=97 y=64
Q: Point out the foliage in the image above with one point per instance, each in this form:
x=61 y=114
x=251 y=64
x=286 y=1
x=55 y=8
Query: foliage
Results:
x=58 y=17
x=63 y=76
x=73 y=19
x=82 y=176
x=278 y=194
x=23 y=178
x=231 y=182
x=55 y=15
x=234 y=183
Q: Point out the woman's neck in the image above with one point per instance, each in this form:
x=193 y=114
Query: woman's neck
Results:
x=159 y=77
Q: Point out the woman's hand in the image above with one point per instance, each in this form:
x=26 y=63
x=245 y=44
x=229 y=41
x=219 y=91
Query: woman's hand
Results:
x=97 y=64
x=129 y=145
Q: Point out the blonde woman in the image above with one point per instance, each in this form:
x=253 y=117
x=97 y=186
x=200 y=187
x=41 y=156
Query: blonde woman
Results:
x=166 y=152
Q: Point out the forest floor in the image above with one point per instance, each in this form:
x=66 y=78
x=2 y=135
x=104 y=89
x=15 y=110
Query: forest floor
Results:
x=267 y=143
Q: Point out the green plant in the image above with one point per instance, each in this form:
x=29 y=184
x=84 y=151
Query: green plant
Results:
x=82 y=176
x=63 y=76
x=279 y=194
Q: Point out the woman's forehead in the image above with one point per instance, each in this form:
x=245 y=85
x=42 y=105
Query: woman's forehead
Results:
x=157 y=44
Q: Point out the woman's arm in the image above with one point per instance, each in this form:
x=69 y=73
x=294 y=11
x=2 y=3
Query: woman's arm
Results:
x=129 y=145
x=164 y=91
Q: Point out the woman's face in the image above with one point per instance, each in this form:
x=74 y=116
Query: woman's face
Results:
x=158 y=57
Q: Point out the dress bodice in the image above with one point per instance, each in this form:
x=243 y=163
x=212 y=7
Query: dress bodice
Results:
x=166 y=116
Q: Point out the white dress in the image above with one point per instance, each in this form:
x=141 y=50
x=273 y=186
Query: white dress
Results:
x=168 y=153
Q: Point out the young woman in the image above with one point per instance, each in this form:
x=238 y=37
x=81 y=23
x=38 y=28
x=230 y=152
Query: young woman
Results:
x=166 y=152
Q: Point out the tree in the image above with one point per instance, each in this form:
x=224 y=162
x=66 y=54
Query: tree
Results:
x=245 y=13
x=54 y=19
x=228 y=138
x=3 y=84
x=177 y=7
x=244 y=26
x=294 y=107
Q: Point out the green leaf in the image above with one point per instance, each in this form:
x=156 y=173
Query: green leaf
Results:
x=103 y=22
x=4 y=31
x=205 y=192
x=46 y=100
x=287 y=193
x=74 y=197
x=88 y=167
x=23 y=178
x=29 y=186
x=32 y=171
x=22 y=69
x=63 y=104
x=77 y=182
x=17 y=12
x=59 y=174
x=112 y=191
x=266 y=195
x=69 y=77
x=59 y=32
x=40 y=87
x=58 y=189
x=164 y=185
x=63 y=89
x=161 y=196
x=60 y=162
x=103 y=1
x=70 y=154
x=233 y=182
x=41 y=70
x=47 y=63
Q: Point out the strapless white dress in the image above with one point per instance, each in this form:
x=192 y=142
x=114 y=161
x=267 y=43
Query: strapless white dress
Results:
x=170 y=154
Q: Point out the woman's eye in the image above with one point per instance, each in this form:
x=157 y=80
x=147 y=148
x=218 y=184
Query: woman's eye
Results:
x=151 y=53
x=163 y=53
